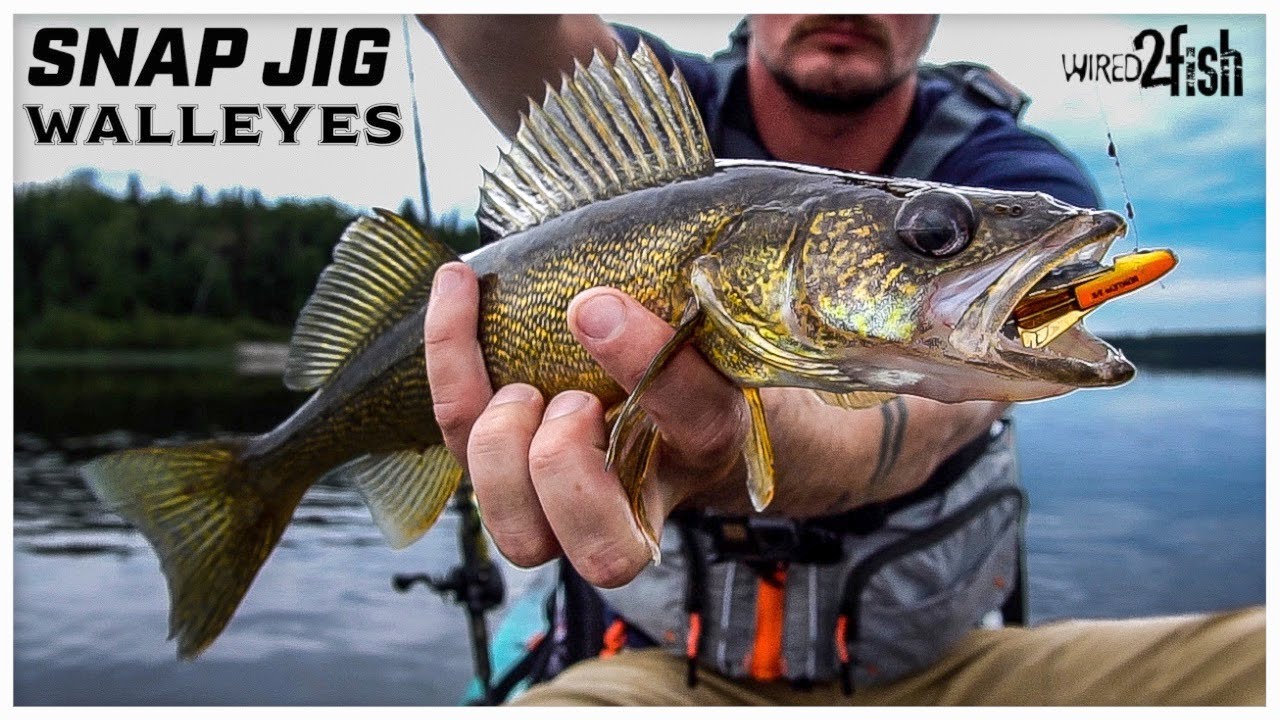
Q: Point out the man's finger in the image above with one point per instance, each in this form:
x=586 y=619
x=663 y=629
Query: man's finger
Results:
x=460 y=387
x=584 y=505
x=700 y=413
x=498 y=457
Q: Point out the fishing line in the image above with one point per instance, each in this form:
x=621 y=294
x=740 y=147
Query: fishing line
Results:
x=417 y=125
x=1115 y=159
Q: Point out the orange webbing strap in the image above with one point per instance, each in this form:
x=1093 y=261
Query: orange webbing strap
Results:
x=615 y=638
x=691 y=649
x=695 y=635
x=765 y=663
x=842 y=651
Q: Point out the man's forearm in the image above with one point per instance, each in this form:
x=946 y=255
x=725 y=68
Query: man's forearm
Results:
x=504 y=59
x=832 y=459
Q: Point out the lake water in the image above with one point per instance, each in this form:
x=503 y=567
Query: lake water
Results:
x=1145 y=500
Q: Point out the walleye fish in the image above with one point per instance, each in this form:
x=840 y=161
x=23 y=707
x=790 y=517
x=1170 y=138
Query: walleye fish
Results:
x=781 y=275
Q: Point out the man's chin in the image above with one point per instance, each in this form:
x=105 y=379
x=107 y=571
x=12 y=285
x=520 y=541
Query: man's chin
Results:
x=828 y=91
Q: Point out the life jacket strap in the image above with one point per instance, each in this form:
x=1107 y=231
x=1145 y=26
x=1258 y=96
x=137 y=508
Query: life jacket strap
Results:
x=765 y=663
x=691 y=648
x=615 y=638
x=842 y=652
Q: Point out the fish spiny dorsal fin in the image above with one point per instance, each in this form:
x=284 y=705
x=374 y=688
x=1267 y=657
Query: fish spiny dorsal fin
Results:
x=381 y=270
x=611 y=128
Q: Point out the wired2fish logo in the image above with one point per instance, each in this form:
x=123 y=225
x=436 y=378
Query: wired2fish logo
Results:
x=1192 y=71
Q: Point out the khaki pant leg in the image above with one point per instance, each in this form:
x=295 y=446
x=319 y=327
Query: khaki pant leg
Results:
x=637 y=677
x=1193 y=660
x=1215 y=659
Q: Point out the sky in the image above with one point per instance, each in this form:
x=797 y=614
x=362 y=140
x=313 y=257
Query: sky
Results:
x=1194 y=167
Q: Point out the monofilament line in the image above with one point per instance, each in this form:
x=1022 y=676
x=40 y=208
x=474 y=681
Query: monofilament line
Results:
x=417 y=125
x=1115 y=158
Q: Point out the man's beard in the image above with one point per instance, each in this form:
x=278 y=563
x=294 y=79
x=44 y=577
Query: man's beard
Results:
x=834 y=102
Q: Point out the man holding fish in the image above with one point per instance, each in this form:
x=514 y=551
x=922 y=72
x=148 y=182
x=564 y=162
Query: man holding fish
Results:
x=664 y=327
x=844 y=92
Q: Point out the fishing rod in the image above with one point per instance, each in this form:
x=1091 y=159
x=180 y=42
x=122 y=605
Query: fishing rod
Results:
x=476 y=583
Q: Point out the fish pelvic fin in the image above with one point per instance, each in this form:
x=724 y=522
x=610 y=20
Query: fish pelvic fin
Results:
x=207 y=520
x=634 y=441
x=612 y=128
x=638 y=457
x=406 y=490
x=381 y=271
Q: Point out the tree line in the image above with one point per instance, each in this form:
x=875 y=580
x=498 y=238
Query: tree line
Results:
x=98 y=269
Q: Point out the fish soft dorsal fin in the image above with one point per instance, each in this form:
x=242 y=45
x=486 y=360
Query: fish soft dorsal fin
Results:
x=612 y=128
x=381 y=270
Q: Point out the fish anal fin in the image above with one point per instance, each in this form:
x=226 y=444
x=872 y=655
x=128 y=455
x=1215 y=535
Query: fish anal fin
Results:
x=406 y=490
x=381 y=271
x=855 y=400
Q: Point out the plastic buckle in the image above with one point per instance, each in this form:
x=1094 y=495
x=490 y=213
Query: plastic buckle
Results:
x=755 y=538
x=767 y=540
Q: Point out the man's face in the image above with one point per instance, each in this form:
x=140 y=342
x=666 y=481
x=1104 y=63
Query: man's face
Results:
x=840 y=62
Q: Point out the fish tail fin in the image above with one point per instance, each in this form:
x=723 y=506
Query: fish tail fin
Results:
x=208 y=520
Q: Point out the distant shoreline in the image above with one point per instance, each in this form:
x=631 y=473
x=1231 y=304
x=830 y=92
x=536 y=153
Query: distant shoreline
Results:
x=1234 y=351
x=1228 y=351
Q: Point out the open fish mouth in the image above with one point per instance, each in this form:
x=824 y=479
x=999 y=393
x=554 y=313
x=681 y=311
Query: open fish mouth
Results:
x=1030 y=317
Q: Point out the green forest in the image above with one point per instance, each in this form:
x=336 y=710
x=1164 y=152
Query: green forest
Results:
x=97 y=270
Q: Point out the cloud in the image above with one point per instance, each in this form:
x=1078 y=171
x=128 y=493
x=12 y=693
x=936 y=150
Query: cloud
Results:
x=1186 y=304
x=1188 y=292
x=1029 y=53
x=1199 y=256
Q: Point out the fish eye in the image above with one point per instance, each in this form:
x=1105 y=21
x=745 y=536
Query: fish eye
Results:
x=935 y=223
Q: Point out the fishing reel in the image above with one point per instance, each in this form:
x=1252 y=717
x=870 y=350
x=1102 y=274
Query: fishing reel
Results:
x=475 y=584
x=479 y=588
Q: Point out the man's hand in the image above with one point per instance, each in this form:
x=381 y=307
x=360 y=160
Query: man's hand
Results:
x=504 y=59
x=538 y=470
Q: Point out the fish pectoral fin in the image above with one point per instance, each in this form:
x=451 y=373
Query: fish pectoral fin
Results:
x=406 y=490
x=855 y=400
x=212 y=528
x=757 y=450
x=634 y=439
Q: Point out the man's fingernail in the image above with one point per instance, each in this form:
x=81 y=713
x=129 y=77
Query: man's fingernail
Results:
x=601 y=316
x=565 y=403
x=514 y=393
x=447 y=279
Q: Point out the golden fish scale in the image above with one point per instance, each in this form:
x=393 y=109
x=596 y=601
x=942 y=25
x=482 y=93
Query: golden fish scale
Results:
x=524 y=329
x=391 y=413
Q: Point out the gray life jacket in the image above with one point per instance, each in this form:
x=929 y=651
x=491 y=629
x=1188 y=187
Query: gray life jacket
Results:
x=867 y=597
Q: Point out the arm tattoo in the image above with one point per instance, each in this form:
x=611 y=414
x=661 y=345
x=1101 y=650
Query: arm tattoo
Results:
x=894 y=413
